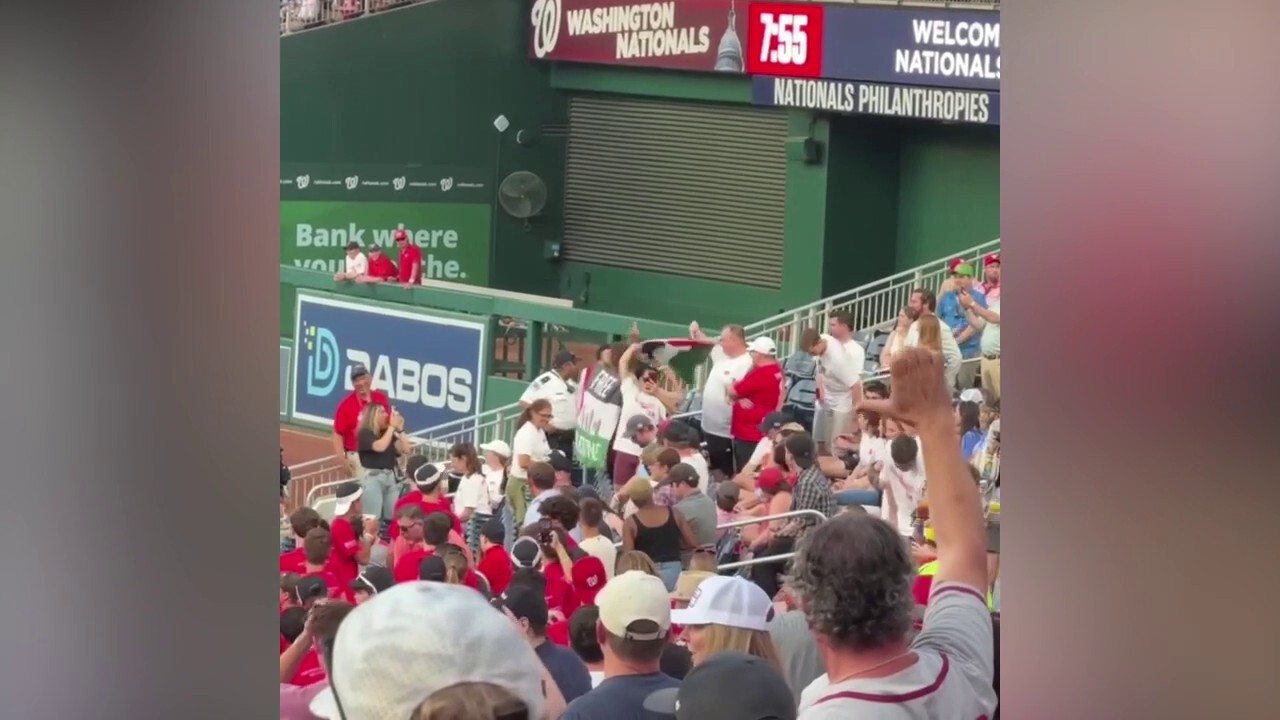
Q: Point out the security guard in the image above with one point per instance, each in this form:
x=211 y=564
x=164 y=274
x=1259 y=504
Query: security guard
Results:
x=558 y=387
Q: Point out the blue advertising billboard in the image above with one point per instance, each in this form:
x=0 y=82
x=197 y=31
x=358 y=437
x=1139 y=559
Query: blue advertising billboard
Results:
x=913 y=46
x=430 y=366
x=860 y=98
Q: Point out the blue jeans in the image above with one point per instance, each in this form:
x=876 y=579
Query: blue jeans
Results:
x=858 y=497
x=669 y=572
x=379 y=494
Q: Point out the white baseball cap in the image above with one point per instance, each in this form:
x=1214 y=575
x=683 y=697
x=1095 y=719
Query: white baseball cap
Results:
x=344 y=496
x=763 y=345
x=973 y=395
x=633 y=596
x=730 y=601
x=406 y=643
x=496 y=446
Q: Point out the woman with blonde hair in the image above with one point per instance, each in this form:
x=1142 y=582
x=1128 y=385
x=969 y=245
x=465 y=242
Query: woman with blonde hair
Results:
x=728 y=613
x=659 y=532
x=380 y=442
x=629 y=560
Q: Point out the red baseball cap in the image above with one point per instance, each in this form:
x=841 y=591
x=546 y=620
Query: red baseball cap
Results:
x=951 y=266
x=400 y=235
x=992 y=259
x=771 y=479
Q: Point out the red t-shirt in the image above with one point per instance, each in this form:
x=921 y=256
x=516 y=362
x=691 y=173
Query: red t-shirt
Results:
x=342 y=559
x=560 y=594
x=294 y=561
x=309 y=672
x=406 y=569
x=338 y=590
x=495 y=565
x=410 y=264
x=588 y=577
x=428 y=507
x=762 y=385
x=558 y=632
x=347 y=416
x=382 y=267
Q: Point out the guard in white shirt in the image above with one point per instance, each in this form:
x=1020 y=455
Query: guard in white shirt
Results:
x=559 y=387
x=356 y=264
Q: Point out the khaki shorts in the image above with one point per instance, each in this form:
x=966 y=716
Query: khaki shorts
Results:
x=828 y=423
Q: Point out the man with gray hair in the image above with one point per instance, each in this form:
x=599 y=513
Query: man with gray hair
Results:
x=853 y=578
x=729 y=362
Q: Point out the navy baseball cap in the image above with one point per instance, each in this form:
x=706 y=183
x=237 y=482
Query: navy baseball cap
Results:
x=774 y=421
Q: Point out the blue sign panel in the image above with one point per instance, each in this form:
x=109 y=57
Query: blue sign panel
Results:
x=432 y=368
x=938 y=48
x=860 y=98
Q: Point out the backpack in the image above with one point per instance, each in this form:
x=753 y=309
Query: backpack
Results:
x=801 y=372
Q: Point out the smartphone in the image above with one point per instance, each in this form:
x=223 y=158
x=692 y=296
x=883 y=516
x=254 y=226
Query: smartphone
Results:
x=544 y=531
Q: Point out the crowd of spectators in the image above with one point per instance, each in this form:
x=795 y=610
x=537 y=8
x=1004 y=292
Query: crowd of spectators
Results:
x=298 y=15
x=755 y=562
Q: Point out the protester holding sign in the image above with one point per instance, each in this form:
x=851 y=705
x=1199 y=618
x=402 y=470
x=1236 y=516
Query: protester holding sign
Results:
x=729 y=363
x=639 y=388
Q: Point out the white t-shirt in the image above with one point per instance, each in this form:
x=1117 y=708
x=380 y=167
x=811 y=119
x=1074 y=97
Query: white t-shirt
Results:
x=717 y=410
x=907 y=487
x=534 y=513
x=951 y=679
x=600 y=547
x=472 y=492
x=493 y=479
x=950 y=348
x=531 y=441
x=840 y=366
x=597 y=677
x=699 y=464
x=764 y=449
x=990 y=342
x=635 y=402
x=561 y=394
x=358 y=265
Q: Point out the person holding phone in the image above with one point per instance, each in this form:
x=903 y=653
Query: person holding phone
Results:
x=380 y=442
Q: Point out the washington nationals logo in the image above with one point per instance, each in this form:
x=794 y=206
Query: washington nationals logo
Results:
x=545 y=18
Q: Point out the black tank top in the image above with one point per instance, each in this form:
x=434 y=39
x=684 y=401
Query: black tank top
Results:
x=662 y=543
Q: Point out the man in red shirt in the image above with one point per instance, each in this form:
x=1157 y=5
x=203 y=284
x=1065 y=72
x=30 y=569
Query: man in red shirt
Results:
x=495 y=563
x=350 y=535
x=422 y=533
x=346 y=417
x=381 y=268
x=316 y=549
x=757 y=394
x=301 y=521
x=428 y=479
x=561 y=598
x=587 y=573
x=410 y=259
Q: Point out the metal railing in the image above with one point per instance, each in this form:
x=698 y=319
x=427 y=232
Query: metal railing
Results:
x=496 y=424
x=299 y=15
x=871 y=305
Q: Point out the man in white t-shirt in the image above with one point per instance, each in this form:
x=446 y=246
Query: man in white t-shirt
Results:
x=559 y=387
x=924 y=302
x=839 y=371
x=987 y=319
x=853 y=579
x=902 y=479
x=639 y=398
x=355 y=263
x=729 y=362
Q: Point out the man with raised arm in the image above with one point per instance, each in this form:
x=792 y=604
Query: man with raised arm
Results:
x=853 y=580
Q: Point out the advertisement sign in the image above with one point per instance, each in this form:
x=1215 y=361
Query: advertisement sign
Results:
x=454 y=238
x=599 y=410
x=906 y=46
x=446 y=213
x=286 y=363
x=858 y=98
x=431 y=367
x=698 y=35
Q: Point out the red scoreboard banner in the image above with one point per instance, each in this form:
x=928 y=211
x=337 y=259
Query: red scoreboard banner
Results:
x=785 y=39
